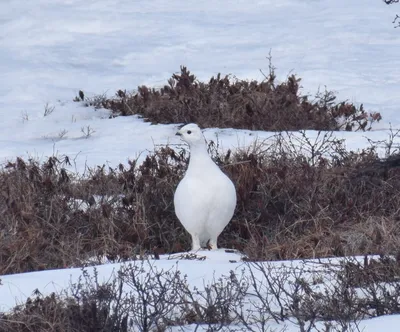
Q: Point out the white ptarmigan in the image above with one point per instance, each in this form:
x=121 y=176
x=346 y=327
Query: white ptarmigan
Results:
x=205 y=199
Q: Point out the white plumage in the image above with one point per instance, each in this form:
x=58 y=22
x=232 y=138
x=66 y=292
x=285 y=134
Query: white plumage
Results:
x=205 y=199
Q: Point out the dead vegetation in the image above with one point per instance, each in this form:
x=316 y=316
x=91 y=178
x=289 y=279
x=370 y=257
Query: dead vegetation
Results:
x=298 y=197
x=228 y=102
x=52 y=219
x=315 y=201
x=313 y=296
x=321 y=202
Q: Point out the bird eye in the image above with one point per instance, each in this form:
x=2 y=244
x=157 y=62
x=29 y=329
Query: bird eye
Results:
x=189 y=132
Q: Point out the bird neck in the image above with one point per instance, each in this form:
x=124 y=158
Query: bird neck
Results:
x=199 y=157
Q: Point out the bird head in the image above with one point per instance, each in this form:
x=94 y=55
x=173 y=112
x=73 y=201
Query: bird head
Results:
x=191 y=134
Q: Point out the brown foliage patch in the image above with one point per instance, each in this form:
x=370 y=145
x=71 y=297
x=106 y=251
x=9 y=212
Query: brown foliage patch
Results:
x=226 y=102
x=53 y=219
x=297 y=207
x=290 y=205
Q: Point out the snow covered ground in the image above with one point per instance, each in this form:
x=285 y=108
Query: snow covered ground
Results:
x=50 y=49
x=15 y=289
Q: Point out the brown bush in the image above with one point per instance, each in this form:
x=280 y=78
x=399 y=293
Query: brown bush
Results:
x=293 y=206
x=226 y=102
x=290 y=205
x=52 y=218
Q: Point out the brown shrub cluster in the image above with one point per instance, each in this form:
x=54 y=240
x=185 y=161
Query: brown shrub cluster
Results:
x=226 y=102
x=290 y=205
x=53 y=219
x=327 y=295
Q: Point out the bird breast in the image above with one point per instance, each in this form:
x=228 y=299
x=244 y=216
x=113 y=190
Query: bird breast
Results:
x=197 y=198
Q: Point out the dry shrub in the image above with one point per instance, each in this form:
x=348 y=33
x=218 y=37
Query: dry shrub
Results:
x=227 y=102
x=377 y=283
x=327 y=295
x=90 y=306
x=375 y=269
x=295 y=206
x=291 y=204
x=137 y=298
x=54 y=219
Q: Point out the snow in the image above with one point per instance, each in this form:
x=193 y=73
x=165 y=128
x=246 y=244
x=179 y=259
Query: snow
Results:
x=17 y=288
x=51 y=49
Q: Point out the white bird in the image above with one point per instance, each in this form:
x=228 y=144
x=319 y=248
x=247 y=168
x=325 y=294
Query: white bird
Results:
x=205 y=199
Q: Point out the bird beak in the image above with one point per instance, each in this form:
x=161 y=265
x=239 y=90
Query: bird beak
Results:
x=178 y=133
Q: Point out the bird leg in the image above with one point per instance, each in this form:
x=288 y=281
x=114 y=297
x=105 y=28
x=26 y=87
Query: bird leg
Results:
x=195 y=242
